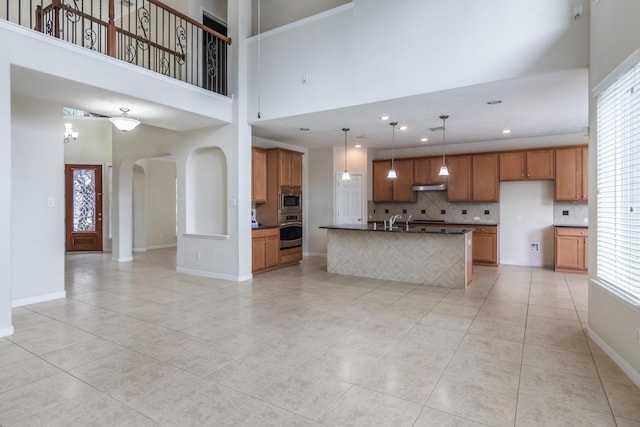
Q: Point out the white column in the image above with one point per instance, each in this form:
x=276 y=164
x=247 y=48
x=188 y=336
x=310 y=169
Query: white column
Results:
x=239 y=15
x=122 y=211
x=6 y=327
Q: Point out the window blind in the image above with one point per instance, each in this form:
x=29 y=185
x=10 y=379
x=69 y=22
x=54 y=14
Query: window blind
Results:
x=618 y=185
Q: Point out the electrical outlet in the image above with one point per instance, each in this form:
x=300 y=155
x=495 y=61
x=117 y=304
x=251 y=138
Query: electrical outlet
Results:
x=638 y=335
x=198 y=256
x=476 y=218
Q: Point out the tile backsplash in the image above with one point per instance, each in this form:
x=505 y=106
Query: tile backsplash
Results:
x=571 y=213
x=433 y=204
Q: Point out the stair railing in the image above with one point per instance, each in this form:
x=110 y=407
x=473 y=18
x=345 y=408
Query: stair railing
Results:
x=146 y=33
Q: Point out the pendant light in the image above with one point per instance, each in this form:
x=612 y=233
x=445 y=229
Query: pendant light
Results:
x=444 y=170
x=345 y=174
x=124 y=122
x=392 y=172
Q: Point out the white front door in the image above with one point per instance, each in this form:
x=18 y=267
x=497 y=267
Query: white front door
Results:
x=349 y=200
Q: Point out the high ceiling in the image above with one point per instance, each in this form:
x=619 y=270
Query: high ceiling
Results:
x=537 y=106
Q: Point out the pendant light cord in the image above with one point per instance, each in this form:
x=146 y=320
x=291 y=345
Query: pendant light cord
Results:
x=259 y=53
x=345 y=147
x=393 y=142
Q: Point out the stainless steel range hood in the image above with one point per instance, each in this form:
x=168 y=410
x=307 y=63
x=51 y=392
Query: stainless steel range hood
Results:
x=439 y=187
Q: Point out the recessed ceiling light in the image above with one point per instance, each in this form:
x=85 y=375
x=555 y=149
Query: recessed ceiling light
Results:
x=494 y=102
x=506 y=131
x=358 y=146
x=402 y=128
x=384 y=117
x=424 y=139
x=305 y=129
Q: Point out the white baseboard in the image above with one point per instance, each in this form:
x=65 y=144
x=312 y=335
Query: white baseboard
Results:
x=5 y=332
x=320 y=254
x=150 y=248
x=122 y=259
x=39 y=298
x=203 y=273
x=165 y=246
x=622 y=364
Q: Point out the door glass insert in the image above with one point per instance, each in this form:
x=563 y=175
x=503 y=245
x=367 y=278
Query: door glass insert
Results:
x=84 y=200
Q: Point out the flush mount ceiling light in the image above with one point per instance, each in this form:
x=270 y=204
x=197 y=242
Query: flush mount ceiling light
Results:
x=69 y=133
x=124 y=122
x=444 y=170
x=424 y=139
x=345 y=174
x=403 y=128
x=384 y=117
x=392 y=172
x=506 y=131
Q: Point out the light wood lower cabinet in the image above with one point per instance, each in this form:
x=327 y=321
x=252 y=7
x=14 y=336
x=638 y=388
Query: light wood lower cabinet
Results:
x=290 y=256
x=485 y=245
x=571 y=248
x=265 y=248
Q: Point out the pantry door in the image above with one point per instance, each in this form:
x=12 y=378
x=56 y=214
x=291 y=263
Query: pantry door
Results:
x=83 y=201
x=349 y=199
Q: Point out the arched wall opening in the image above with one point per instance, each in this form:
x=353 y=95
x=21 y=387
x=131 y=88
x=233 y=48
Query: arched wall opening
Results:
x=154 y=203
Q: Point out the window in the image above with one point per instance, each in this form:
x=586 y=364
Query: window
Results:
x=618 y=181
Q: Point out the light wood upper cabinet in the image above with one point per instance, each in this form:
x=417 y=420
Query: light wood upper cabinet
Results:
x=290 y=167
x=296 y=169
x=513 y=165
x=382 y=186
x=403 y=184
x=526 y=165
x=426 y=169
x=459 y=179
x=540 y=164
x=473 y=178
x=571 y=174
x=484 y=178
x=393 y=190
x=258 y=175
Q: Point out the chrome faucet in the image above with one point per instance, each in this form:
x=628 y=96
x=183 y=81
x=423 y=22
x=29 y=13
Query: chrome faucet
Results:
x=406 y=224
x=392 y=220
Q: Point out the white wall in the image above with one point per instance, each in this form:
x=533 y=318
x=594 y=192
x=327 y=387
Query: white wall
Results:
x=6 y=327
x=161 y=202
x=37 y=201
x=615 y=34
x=139 y=215
x=275 y=13
x=526 y=216
x=320 y=202
x=368 y=51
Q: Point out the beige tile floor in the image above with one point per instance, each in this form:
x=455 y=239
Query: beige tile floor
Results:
x=137 y=344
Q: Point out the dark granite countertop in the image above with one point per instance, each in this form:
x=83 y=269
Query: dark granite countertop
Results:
x=401 y=229
x=572 y=225
x=418 y=222
x=265 y=227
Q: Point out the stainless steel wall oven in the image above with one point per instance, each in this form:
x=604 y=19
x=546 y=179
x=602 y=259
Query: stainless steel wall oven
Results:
x=290 y=231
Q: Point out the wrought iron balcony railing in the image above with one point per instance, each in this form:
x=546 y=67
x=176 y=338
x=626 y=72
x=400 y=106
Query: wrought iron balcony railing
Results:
x=146 y=33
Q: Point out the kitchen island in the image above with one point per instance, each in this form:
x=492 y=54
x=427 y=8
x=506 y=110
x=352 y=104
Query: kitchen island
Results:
x=422 y=255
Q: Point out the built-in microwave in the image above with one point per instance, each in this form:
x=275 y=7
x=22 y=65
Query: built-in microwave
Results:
x=290 y=201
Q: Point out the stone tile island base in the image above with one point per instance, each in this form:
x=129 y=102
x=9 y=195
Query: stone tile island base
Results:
x=425 y=258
